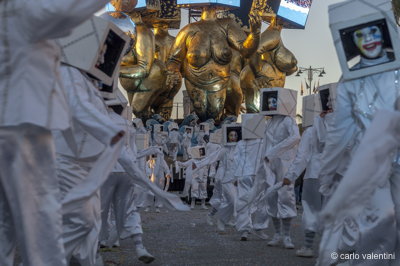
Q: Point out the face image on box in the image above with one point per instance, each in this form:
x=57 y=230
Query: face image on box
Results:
x=189 y=131
x=202 y=152
x=197 y=152
x=232 y=134
x=369 y=40
x=270 y=101
x=96 y=47
x=325 y=98
x=365 y=35
x=278 y=101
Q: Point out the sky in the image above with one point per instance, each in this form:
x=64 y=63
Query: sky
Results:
x=312 y=46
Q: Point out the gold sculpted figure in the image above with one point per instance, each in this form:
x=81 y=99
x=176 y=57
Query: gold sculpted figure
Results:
x=141 y=75
x=267 y=68
x=202 y=54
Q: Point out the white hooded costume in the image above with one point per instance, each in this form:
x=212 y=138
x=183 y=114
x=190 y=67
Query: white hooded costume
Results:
x=373 y=229
x=78 y=150
x=32 y=105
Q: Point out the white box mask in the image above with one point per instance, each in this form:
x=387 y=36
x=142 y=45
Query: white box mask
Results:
x=96 y=47
x=216 y=137
x=198 y=152
x=278 y=101
x=350 y=22
x=204 y=127
x=158 y=128
x=253 y=126
x=189 y=131
x=311 y=109
x=142 y=141
x=173 y=125
x=232 y=133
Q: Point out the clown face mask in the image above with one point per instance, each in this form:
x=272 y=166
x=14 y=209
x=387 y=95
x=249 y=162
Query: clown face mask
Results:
x=369 y=41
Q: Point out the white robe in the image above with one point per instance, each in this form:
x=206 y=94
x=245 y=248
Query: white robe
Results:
x=356 y=104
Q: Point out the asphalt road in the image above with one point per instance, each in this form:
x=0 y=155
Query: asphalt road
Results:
x=184 y=238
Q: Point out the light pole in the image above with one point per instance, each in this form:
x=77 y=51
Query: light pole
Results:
x=310 y=71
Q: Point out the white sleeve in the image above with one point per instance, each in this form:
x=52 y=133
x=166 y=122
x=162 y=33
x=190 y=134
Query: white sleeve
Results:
x=289 y=143
x=50 y=19
x=340 y=131
x=96 y=123
x=303 y=155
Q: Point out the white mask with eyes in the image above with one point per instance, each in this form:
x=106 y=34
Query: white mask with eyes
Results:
x=369 y=41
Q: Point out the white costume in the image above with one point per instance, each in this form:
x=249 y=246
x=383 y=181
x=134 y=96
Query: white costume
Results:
x=31 y=106
x=247 y=156
x=78 y=149
x=373 y=229
x=186 y=144
x=281 y=139
x=308 y=158
x=157 y=170
x=174 y=143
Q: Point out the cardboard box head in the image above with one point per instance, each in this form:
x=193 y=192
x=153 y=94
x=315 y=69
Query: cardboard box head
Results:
x=253 y=126
x=216 y=137
x=142 y=141
x=189 y=131
x=366 y=37
x=327 y=96
x=137 y=123
x=120 y=105
x=278 y=101
x=202 y=3
x=311 y=109
x=158 y=128
x=197 y=152
x=232 y=133
x=172 y=126
x=96 y=47
x=204 y=127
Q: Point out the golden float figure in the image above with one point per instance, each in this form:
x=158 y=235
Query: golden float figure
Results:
x=202 y=54
x=169 y=17
x=268 y=67
x=141 y=75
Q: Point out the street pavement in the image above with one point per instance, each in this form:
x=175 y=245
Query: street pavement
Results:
x=185 y=238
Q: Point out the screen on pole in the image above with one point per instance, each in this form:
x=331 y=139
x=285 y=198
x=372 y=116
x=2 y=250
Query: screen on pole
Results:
x=294 y=13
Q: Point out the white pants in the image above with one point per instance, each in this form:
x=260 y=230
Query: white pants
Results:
x=199 y=189
x=282 y=203
x=243 y=218
x=312 y=203
x=82 y=222
x=150 y=199
x=226 y=211
x=30 y=209
x=117 y=192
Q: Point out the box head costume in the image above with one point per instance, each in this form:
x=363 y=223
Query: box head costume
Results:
x=253 y=126
x=278 y=101
x=96 y=47
x=232 y=134
x=366 y=37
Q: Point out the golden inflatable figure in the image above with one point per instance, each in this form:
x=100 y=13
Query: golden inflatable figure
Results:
x=202 y=54
x=141 y=75
x=267 y=68
x=234 y=94
x=169 y=17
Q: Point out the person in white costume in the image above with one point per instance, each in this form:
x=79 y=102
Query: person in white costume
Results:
x=78 y=150
x=158 y=172
x=31 y=106
x=371 y=229
x=196 y=180
x=186 y=143
x=280 y=142
x=308 y=158
x=173 y=142
x=247 y=157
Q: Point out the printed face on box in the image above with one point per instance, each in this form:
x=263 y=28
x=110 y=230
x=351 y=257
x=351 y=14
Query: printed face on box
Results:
x=233 y=134
x=202 y=152
x=188 y=130
x=370 y=41
x=270 y=101
x=110 y=53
